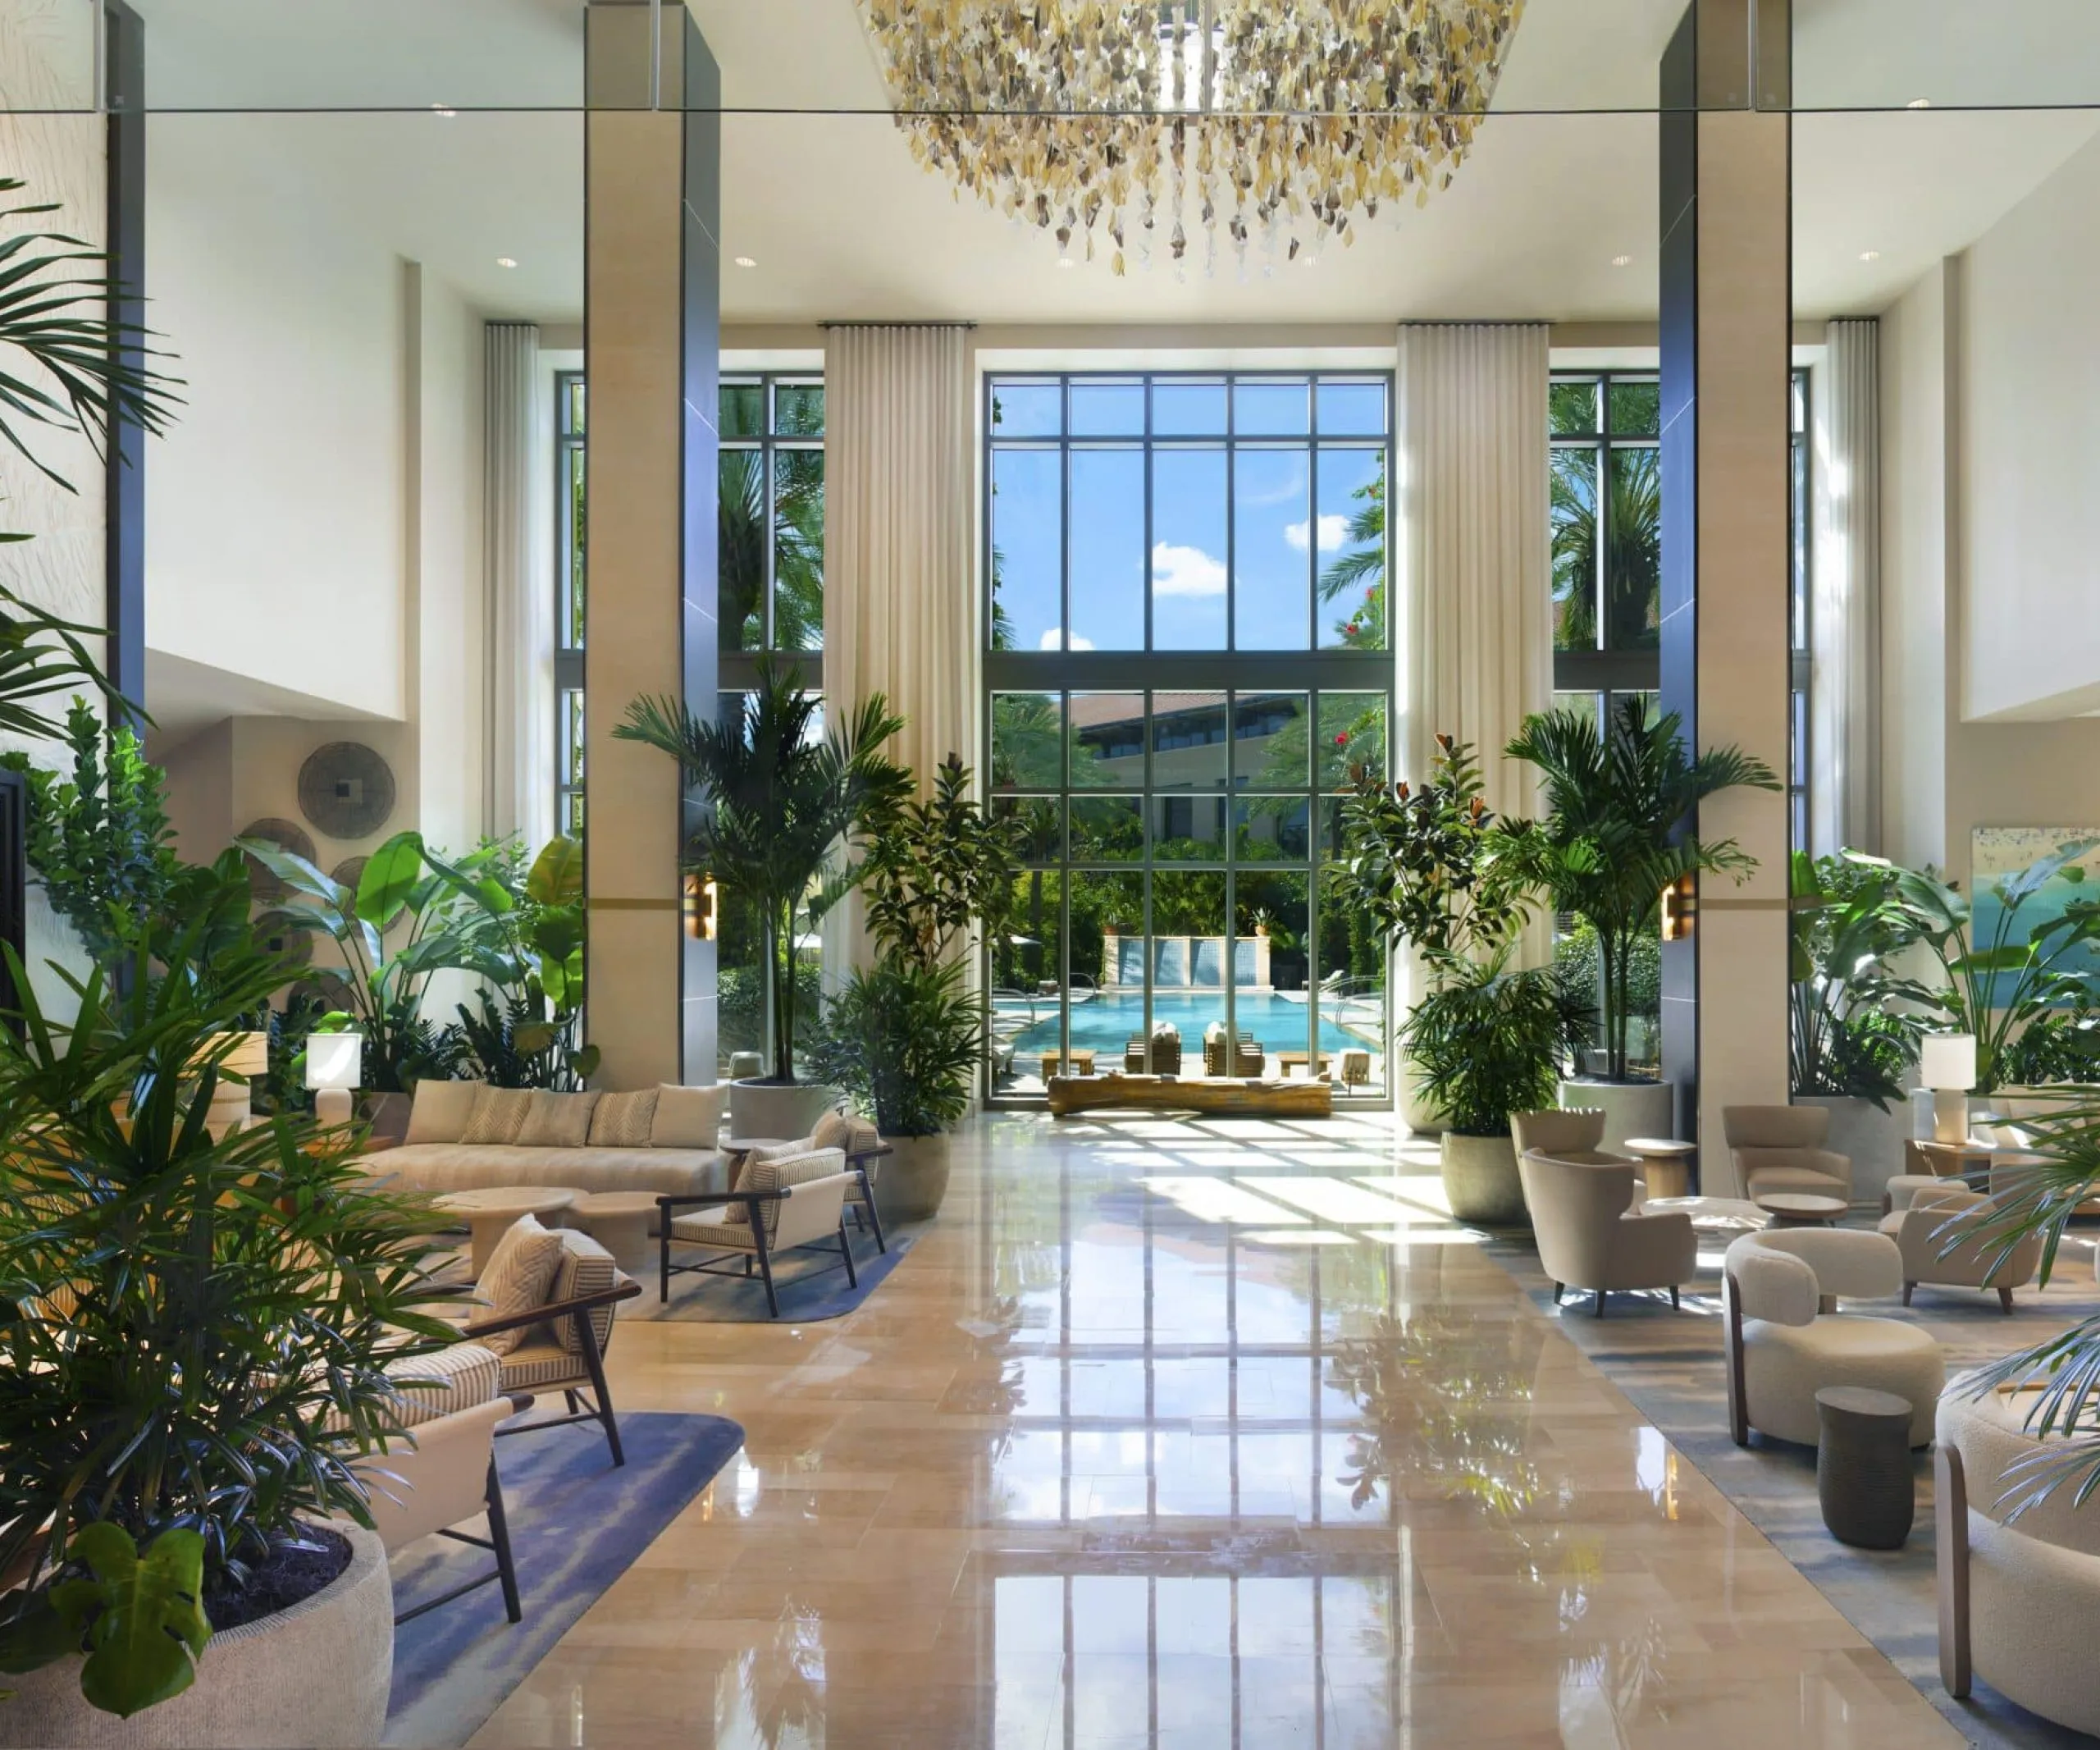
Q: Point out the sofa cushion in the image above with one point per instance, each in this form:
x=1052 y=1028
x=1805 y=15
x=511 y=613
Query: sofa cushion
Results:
x=517 y=1278
x=498 y=1115
x=687 y=1117
x=622 y=1121
x=463 y=1167
x=456 y=1378
x=585 y=1267
x=440 y=1110
x=556 y=1121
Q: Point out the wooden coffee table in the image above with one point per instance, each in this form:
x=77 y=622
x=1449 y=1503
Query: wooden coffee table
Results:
x=1664 y=1164
x=491 y=1213
x=1288 y=1060
x=1803 y=1210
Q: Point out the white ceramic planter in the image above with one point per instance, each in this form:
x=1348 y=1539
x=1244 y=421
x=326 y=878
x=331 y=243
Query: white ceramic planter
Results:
x=784 y=1110
x=1418 y=1112
x=1631 y=1108
x=913 y=1178
x=1480 y=1181
x=317 y=1674
x=1872 y=1139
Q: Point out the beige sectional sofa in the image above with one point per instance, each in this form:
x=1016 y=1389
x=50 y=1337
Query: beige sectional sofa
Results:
x=465 y=1136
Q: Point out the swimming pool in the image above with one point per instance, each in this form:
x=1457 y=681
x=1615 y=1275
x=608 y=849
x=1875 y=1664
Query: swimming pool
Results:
x=1105 y=1021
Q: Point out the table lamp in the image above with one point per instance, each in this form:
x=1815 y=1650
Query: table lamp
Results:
x=334 y=1065
x=1947 y=1064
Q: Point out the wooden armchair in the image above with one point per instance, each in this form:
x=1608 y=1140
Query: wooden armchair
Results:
x=780 y=1205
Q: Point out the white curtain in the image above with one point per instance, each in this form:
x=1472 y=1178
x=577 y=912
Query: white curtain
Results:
x=521 y=583
x=1475 y=620
x=1844 y=622
x=900 y=608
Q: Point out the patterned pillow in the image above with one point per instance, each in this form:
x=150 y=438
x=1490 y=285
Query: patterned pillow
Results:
x=622 y=1121
x=585 y=1267
x=498 y=1116
x=834 y=1131
x=557 y=1120
x=517 y=1278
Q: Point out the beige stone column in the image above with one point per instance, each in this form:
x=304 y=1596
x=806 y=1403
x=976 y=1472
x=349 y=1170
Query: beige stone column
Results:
x=1727 y=295
x=651 y=340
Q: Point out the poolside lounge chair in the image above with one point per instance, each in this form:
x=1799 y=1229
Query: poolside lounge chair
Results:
x=1248 y=1057
x=1165 y=1053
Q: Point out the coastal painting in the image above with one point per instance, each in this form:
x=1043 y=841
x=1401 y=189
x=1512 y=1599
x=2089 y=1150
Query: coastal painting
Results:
x=1997 y=853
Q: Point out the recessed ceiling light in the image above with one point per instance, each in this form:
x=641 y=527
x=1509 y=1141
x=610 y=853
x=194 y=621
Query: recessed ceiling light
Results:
x=745 y=261
x=1918 y=103
x=1870 y=255
x=1067 y=261
x=1622 y=261
x=442 y=109
x=506 y=260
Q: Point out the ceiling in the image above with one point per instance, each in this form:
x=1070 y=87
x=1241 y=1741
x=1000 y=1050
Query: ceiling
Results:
x=187 y=697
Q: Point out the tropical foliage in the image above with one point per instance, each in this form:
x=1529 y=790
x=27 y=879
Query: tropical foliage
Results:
x=1618 y=800
x=936 y=869
x=1848 y=927
x=1359 y=572
x=793 y=527
x=1489 y=1042
x=1631 y=529
x=904 y=1038
x=788 y=809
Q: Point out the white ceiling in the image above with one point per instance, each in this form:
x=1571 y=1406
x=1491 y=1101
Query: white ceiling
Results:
x=187 y=697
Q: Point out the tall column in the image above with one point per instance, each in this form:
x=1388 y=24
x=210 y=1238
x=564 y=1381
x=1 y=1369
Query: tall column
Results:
x=1726 y=296
x=652 y=328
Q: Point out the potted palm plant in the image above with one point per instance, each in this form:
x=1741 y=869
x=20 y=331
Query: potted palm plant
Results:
x=786 y=805
x=1615 y=839
x=195 y=1325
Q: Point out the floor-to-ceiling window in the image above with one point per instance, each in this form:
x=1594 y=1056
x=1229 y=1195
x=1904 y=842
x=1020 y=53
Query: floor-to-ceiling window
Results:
x=569 y=455
x=1189 y=661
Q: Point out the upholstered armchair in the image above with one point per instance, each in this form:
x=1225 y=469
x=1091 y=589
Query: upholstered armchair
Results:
x=1572 y=1136
x=1781 y=1148
x=1589 y=1238
x=1923 y=1221
x=782 y=1203
x=1786 y=1340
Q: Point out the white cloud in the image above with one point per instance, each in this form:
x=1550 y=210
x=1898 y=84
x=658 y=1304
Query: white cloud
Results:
x=1333 y=534
x=1054 y=639
x=1185 y=571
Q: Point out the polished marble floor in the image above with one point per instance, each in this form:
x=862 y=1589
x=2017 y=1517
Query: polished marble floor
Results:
x=1212 y=1434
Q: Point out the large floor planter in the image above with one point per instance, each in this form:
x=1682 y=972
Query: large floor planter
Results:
x=1871 y=1139
x=1631 y=1108
x=781 y=1109
x=1480 y=1181
x=317 y=1674
x=913 y=1179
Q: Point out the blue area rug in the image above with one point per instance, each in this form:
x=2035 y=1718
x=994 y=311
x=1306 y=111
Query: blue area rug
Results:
x=576 y=1523
x=809 y=1293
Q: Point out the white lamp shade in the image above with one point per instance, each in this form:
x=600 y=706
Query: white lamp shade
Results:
x=1948 y=1060
x=335 y=1060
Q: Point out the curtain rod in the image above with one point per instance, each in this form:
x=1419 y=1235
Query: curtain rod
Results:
x=895 y=325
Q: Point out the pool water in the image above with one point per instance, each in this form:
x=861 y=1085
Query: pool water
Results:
x=1105 y=1022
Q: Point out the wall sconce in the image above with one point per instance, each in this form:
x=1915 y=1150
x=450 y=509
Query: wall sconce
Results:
x=1680 y=908
x=702 y=897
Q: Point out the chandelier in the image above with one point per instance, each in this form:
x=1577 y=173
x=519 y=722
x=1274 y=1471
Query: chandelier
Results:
x=1135 y=121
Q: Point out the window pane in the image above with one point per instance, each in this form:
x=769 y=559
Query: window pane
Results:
x=1188 y=742
x=1574 y=548
x=1028 y=741
x=1591 y=703
x=1572 y=409
x=1108 y=549
x=1185 y=407
x=1351 y=409
x=1027 y=410
x=1272 y=534
x=743 y=410
x=1108 y=409
x=578 y=502
x=1269 y=914
x=1188 y=965
x=741 y=549
x=798 y=551
x=1351 y=530
x=1042 y=836
x=1106 y=830
x=1027 y=549
x=1271 y=410
x=1633 y=560
x=1800 y=538
x=1271 y=829
x=1188 y=550
x=1636 y=410
x=798 y=409
x=577 y=399
x=1352 y=736
x=1108 y=951
x=1187 y=829
x=1269 y=741
x=1108 y=741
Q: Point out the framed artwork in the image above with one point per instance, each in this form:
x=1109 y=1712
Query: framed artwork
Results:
x=1998 y=853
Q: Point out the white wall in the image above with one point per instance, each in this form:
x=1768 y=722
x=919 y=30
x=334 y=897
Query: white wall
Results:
x=2030 y=391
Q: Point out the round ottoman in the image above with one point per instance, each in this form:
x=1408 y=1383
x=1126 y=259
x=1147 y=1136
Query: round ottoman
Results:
x=1863 y=1476
x=490 y=1213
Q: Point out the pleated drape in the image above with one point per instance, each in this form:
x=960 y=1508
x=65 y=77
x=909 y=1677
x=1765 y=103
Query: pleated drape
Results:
x=1844 y=622
x=519 y=463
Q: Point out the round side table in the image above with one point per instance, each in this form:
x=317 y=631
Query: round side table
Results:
x=1803 y=1210
x=490 y=1213
x=619 y=1221
x=1863 y=1475
x=1664 y=1164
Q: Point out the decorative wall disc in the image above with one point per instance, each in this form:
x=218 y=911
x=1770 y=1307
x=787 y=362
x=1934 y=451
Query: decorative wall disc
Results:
x=346 y=789
x=348 y=872
x=287 y=835
x=291 y=943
